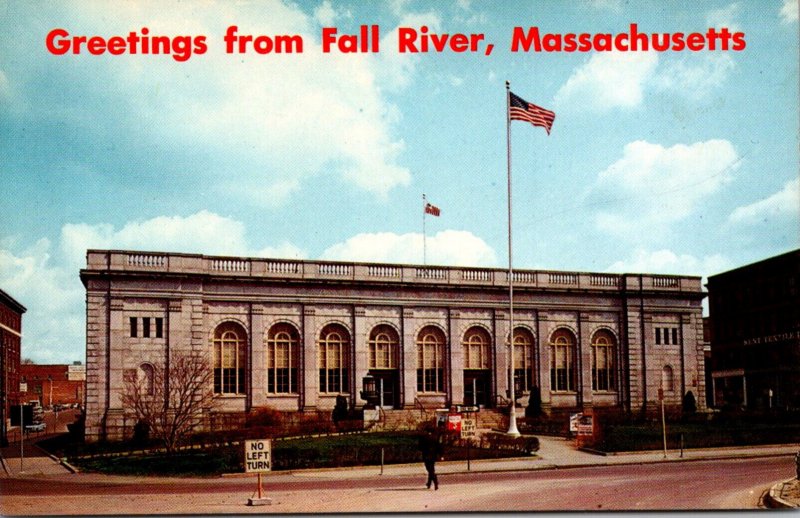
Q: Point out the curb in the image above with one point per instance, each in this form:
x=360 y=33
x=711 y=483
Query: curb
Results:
x=773 y=499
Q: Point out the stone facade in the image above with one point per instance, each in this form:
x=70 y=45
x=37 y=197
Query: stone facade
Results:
x=432 y=336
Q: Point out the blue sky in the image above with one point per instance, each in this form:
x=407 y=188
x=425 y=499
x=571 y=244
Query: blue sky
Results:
x=675 y=162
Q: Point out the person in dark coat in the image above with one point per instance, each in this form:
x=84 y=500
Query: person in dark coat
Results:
x=431 y=450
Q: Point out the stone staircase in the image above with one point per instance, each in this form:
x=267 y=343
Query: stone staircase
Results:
x=411 y=418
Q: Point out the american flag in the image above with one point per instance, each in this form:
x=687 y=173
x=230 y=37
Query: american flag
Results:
x=521 y=110
x=433 y=210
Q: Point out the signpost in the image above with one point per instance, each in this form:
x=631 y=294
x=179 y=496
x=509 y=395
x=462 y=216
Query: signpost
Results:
x=469 y=432
x=258 y=459
x=663 y=420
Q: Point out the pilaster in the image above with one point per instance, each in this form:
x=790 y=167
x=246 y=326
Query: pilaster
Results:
x=409 y=354
x=310 y=372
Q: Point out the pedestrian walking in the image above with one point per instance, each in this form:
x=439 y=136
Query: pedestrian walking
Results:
x=431 y=450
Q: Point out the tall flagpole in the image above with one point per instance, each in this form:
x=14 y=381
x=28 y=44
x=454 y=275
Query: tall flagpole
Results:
x=512 y=421
x=424 y=235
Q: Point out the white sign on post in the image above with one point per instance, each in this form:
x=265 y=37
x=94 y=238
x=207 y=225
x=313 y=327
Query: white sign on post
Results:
x=257 y=456
x=469 y=428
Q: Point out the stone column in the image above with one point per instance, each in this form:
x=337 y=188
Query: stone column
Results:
x=585 y=364
x=115 y=414
x=501 y=333
x=543 y=344
x=97 y=347
x=310 y=374
x=455 y=326
x=408 y=352
x=360 y=352
x=258 y=357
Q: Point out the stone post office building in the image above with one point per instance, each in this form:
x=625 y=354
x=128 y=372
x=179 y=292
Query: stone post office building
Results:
x=292 y=335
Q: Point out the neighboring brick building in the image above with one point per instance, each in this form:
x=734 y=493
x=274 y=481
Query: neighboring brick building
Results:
x=292 y=335
x=11 y=342
x=54 y=384
x=755 y=334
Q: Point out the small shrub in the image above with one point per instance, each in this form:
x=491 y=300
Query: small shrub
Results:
x=141 y=433
x=689 y=403
x=340 y=411
x=264 y=417
x=534 y=408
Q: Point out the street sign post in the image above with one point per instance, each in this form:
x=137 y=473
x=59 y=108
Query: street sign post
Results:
x=258 y=459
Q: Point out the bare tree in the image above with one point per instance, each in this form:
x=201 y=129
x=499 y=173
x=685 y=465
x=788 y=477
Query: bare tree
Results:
x=170 y=402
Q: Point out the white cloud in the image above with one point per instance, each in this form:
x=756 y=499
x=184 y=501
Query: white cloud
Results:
x=53 y=325
x=325 y=14
x=652 y=187
x=203 y=232
x=666 y=261
x=783 y=204
x=695 y=76
x=47 y=282
x=790 y=11
x=396 y=70
x=609 y=80
x=261 y=122
x=448 y=247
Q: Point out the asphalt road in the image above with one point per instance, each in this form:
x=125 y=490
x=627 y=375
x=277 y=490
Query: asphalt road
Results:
x=700 y=485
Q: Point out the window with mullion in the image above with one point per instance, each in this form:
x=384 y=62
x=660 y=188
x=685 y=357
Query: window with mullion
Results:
x=229 y=359
x=282 y=359
x=383 y=348
x=523 y=359
x=562 y=370
x=476 y=349
x=430 y=362
x=333 y=359
x=603 y=361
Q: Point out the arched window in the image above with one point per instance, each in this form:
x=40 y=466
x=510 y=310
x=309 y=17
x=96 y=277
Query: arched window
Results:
x=333 y=349
x=148 y=383
x=667 y=381
x=603 y=345
x=383 y=348
x=282 y=359
x=476 y=349
x=562 y=361
x=229 y=358
x=523 y=358
x=430 y=360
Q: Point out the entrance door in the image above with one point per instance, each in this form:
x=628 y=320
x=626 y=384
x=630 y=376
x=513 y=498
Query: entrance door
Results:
x=476 y=387
x=386 y=382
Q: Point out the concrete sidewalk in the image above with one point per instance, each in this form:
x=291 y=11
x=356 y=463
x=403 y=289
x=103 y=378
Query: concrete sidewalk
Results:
x=557 y=452
x=34 y=460
x=554 y=452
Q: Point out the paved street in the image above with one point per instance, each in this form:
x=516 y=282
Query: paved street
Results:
x=561 y=478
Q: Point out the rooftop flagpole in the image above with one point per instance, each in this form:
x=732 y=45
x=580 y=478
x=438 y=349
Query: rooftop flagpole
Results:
x=424 y=235
x=512 y=420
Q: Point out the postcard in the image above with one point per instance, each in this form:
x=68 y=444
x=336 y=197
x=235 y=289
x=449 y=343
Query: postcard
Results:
x=322 y=256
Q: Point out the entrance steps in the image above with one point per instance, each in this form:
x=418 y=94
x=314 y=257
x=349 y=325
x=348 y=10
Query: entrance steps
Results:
x=413 y=418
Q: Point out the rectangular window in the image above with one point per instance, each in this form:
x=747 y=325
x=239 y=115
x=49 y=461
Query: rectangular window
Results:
x=134 y=328
x=675 y=336
x=146 y=327
x=159 y=327
x=658 y=336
